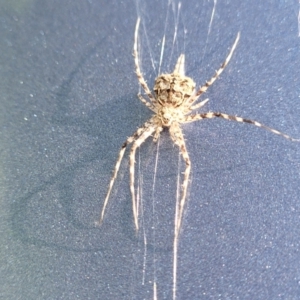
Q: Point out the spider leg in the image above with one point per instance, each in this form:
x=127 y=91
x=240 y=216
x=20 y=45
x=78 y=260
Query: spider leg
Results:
x=136 y=144
x=158 y=130
x=199 y=105
x=177 y=137
x=210 y=115
x=137 y=66
x=179 y=68
x=118 y=163
x=208 y=83
x=144 y=101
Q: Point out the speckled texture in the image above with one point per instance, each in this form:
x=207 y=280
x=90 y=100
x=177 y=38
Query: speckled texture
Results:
x=173 y=89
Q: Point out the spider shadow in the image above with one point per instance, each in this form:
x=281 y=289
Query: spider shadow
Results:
x=106 y=123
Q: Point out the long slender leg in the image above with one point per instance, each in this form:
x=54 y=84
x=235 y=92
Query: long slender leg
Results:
x=137 y=143
x=210 y=115
x=180 y=64
x=199 y=105
x=137 y=66
x=177 y=137
x=158 y=130
x=117 y=166
x=208 y=83
x=144 y=101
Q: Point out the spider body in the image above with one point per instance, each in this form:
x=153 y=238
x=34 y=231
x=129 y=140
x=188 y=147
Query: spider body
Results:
x=172 y=91
x=172 y=104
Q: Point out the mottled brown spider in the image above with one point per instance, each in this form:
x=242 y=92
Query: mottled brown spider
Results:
x=172 y=103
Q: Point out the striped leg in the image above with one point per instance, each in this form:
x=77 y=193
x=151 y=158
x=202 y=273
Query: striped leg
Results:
x=208 y=83
x=210 y=115
x=199 y=105
x=118 y=163
x=137 y=66
x=137 y=143
x=144 y=101
x=177 y=137
x=179 y=68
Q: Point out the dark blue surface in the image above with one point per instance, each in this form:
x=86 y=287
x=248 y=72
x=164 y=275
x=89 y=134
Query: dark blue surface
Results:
x=68 y=101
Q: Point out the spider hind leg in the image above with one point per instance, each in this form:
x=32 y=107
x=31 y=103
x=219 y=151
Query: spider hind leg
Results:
x=129 y=140
x=178 y=139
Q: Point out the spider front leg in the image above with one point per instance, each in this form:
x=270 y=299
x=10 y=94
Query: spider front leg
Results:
x=118 y=163
x=210 y=115
x=137 y=143
x=144 y=101
x=208 y=83
x=137 y=66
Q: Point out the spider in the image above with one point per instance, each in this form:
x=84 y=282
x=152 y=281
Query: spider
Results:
x=172 y=103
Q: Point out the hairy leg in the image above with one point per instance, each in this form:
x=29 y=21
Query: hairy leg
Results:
x=210 y=115
x=208 y=83
x=118 y=163
x=137 y=66
x=136 y=144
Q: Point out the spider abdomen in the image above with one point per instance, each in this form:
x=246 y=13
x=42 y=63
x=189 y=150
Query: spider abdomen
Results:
x=169 y=115
x=173 y=89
